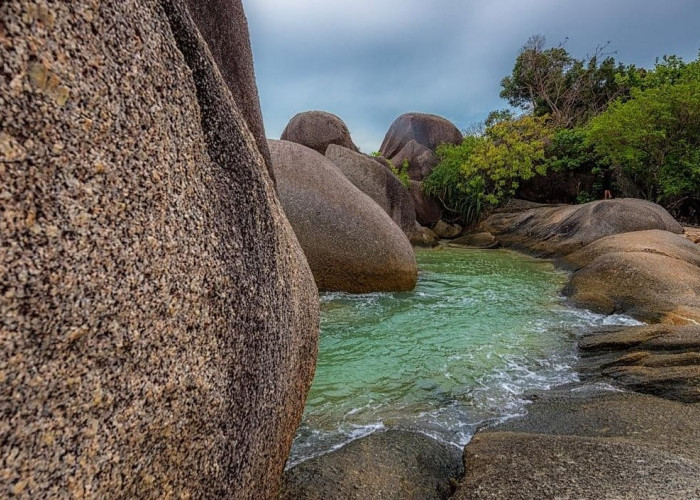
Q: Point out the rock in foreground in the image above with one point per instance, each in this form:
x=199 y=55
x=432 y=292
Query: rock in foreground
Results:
x=351 y=244
x=389 y=465
x=588 y=446
x=158 y=319
x=318 y=130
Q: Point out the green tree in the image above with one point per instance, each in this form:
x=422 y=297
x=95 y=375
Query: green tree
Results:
x=654 y=137
x=486 y=171
x=549 y=81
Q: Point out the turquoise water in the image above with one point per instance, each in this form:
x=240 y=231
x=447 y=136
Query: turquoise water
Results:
x=480 y=329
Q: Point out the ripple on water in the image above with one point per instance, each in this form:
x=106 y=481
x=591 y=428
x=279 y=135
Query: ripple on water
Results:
x=480 y=329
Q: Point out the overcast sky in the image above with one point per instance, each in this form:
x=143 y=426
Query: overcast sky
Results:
x=369 y=61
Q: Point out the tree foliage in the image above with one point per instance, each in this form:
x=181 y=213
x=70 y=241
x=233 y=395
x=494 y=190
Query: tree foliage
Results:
x=486 y=171
x=549 y=81
x=654 y=137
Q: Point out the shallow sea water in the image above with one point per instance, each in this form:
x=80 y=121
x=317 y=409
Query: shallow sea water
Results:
x=480 y=329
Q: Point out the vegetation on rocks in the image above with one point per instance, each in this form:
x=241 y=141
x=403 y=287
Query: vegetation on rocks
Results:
x=635 y=131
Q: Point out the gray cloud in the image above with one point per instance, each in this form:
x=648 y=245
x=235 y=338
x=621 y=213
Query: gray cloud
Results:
x=368 y=61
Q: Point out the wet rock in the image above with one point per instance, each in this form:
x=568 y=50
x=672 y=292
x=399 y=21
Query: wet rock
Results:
x=476 y=240
x=663 y=360
x=392 y=465
x=317 y=130
x=158 y=319
x=350 y=242
x=377 y=182
x=588 y=445
x=553 y=231
x=446 y=230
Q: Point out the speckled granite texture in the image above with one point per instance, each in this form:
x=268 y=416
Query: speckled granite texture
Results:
x=223 y=25
x=158 y=322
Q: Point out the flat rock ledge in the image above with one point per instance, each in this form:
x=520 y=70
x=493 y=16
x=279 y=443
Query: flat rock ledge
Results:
x=583 y=445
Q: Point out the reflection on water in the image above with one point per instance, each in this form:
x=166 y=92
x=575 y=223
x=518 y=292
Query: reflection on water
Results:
x=480 y=329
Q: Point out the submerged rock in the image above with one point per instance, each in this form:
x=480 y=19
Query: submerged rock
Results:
x=553 y=231
x=389 y=465
x=377 y=182
x=351 y=244
x=318 y=130
x=158 y=319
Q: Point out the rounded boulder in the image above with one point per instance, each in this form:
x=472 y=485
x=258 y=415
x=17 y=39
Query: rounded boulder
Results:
x=350 y=242
x=318 y=130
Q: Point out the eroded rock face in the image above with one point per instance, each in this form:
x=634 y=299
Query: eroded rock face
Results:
x=553 y=231
x=351 y=244
x=663 y=359
x=428 y=211
x=421 y=161
x=391 y=465
x=317 y=130
x=377 y=182
x=157 y=317
x=224 y=27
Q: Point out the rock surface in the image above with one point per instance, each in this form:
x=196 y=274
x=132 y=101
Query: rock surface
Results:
x=421 y=161
x=350 y=242
x=423 y=237
x=428 y=212
x=389 y=465
x=648 y=286
x=662 y=360
x=223 y=26
x=588 y=445
x=554 y=231
x=377 y=182
x=476 y=240
x=156 y=312
x=446 y=230
x=427 y=130
x=318 y=130
x=656 y=242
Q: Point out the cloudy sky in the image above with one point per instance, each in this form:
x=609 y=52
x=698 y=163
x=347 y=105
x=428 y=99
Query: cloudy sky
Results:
x=368 y=61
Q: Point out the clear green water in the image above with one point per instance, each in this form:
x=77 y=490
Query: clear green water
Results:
x=480 y=329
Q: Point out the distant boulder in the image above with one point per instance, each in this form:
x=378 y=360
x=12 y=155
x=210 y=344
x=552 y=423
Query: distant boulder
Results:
x=421 y=161
x=351 y=243
x=377 y=182
x=425 y=130
x=318 y=130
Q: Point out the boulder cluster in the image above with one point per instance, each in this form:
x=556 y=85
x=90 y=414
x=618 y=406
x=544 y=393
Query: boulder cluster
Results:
x=354 y=217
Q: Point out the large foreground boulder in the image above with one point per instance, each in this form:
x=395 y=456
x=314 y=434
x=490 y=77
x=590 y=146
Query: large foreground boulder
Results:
x=554 y=231
x=389 y=465
x=157 y=317
x=377 y=182
x=351 y=244
x=318 y=130
x=223 y=26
